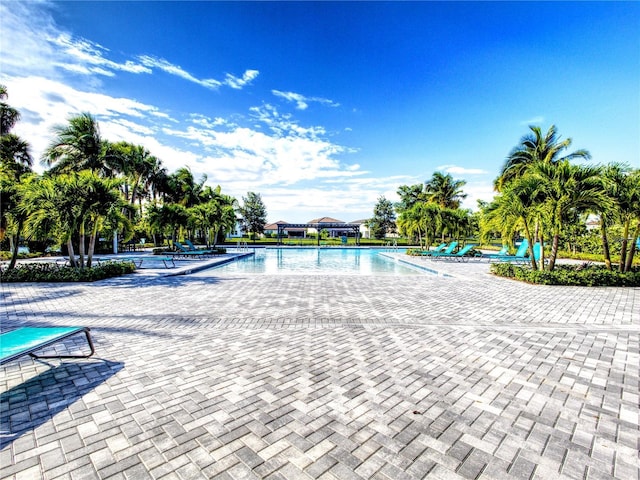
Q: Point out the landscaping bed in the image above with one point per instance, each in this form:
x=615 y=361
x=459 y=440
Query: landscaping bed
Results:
x=586 y=274
x=51 y=272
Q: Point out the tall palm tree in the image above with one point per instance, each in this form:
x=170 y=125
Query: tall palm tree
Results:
x=68 y=206
x=409 y=196
x=517 y=207
x=625 y=192
x=156 y=179
x=565 y=189
x=445 y=191
x=183 y=189
x=77 y=146
x=9 y=116
x=533 y=148
x=15 y=163
x=51 y=209
x=14 y=153
x=612 y=177
x=136 y=164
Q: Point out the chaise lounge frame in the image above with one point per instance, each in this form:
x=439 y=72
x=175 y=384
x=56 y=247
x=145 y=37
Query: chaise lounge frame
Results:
x=27 y=340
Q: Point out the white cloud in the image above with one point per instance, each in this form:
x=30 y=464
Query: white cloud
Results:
x=238 y=83
x=89 y=57
x=477 y=191
x=230 y=80
x=298 y=166
x=32 y=44
x=45 y=103
x=302 y=102
x=533 y=121
x=456 y=170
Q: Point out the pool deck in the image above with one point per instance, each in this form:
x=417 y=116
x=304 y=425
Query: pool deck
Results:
x=463 y=376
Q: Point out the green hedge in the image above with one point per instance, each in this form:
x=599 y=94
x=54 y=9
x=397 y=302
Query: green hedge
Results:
x=50 y=272
x=580 y=275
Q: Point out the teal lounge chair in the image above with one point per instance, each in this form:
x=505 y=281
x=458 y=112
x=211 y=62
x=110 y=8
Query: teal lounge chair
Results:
x=439 y=248
x=193 y=248
x=185 y=252
x=447 y=251
x=521 y=254
x=26 y=341
x=461 y=255
x=501 y=253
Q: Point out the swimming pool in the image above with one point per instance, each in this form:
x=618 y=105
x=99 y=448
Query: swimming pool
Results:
x=315 y=261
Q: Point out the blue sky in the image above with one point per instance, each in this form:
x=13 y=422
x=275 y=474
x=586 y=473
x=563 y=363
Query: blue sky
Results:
x=323 y=107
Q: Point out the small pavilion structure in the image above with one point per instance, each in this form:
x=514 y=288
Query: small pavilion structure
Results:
x=354 y=227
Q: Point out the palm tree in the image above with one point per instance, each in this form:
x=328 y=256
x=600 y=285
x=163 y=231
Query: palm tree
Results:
x=409 y=196
x=612 y=177
x=9 y=116
x=14 y=153
x=516 y=207
x=136 y=164
x=533 y=148
x=15 y=163
x=183 y=189
x=67 y=206
x=156 y=178
x=423 y=220
x=77 y=146
x=565 y=189
x=624 y=190
x=445 y=191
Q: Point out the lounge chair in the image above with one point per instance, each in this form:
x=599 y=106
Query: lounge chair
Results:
x=185 y=252
x=439 y=248
x=447 y=251
x=501 y=253
x=520 y=255
x=168 y=262
x=27 y=340
x=461 y=255
x=193 y=248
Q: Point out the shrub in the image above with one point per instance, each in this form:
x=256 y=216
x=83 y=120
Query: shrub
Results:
x=51 y=272
x=579 y=275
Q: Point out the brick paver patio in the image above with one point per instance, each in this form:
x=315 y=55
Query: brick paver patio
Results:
x=326 y=377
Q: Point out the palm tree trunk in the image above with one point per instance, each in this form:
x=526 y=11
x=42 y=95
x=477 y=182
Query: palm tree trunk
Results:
x=81 y=250
x=92 y=244
x=72 y=255
x=632 y=250
x=605 y=243
x=541 y=266
x=625 y=242
x=527 y=232
x=554 y=251
x=15 y=240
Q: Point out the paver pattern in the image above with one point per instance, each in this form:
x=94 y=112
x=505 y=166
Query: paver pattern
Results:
x=326 y=377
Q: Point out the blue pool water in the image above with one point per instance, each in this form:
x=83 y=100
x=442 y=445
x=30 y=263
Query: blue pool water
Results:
x=315 y=261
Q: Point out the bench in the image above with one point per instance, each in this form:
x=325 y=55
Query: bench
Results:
x=27 y=340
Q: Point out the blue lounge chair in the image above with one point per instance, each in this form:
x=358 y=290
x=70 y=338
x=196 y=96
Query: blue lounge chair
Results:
x=27 y=340
x=185 y=252
x=461 y=255
x=447 y=251
x=193 y=248
x=439 y=248
x=521 y=254
x=501 y=253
